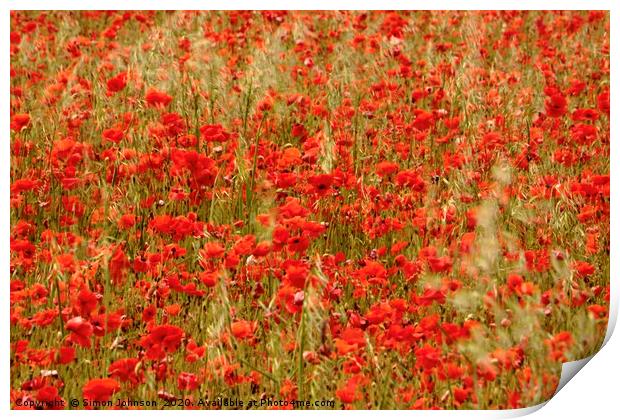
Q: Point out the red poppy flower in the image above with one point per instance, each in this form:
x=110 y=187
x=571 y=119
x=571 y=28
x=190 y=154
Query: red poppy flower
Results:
x=162 y=340
x=187 y=381
x=117 y=83
x=100 y=390
x=81 y=331
x=19 y=121
x=243 y=329
x=214 y=133
x=156 y=98
x=113 y=135
x=555 y=105
x=126 y=370
x=320 y=183
x=602 y=101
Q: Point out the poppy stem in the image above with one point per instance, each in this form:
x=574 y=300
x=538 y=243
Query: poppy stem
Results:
x=62 y=324
x=250 y=191
x=300 y=368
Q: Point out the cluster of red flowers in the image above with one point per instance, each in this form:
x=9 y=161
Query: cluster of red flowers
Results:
x=386 y=209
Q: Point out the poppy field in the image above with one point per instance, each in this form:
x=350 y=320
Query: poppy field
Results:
x=315 y=210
